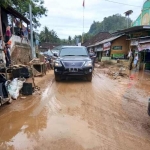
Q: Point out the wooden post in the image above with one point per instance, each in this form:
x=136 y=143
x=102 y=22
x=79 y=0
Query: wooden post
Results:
x=12 y=17
x=1 y=31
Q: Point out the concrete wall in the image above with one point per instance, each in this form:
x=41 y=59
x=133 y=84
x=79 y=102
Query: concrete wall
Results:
x=21 y=54
x=17 y=39
x=120 y=42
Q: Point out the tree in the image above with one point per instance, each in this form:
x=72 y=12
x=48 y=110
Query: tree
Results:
x=44 y=35
x=22 y=6
x=109 y=24
x=49 y=36
x=87 y=37
x=5 y=3
x=69 y=40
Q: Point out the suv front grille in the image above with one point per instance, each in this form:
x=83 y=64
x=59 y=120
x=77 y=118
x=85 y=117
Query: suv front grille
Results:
x=73 y=64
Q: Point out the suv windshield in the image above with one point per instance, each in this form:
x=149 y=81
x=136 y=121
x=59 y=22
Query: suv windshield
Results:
x=73 y=51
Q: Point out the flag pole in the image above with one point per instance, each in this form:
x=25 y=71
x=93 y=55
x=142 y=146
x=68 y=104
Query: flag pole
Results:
x=83 y=22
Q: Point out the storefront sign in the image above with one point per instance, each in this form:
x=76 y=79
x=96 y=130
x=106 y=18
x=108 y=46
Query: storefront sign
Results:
x=118 y=55
x=134 y=43
x=106 y=46
x=144 y=46
x=139 y=34
x=99 y=49
x=117 y=48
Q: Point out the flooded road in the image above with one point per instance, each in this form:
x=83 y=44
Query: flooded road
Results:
x=78 y=115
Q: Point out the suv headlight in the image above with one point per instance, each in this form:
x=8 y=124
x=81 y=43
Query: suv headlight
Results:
x=88 y=64
x=58 y=64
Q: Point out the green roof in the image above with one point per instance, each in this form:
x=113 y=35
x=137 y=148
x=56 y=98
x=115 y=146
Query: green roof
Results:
x=146 y=4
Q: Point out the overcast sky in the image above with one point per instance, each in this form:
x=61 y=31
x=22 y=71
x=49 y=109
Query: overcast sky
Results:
x=66 y=16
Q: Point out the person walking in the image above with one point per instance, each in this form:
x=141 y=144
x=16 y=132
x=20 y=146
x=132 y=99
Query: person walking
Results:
x=135 y=62
x=8 y=34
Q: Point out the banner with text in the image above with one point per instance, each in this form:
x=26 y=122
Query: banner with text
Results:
x=106 y=46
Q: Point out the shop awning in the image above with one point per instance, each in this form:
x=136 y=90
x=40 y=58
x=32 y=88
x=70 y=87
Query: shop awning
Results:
x=144 y=46
x=142 y=41
x=99 y=49
x=16 y=14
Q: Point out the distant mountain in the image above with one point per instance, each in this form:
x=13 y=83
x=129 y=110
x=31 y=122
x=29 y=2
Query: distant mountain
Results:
x=110 y=24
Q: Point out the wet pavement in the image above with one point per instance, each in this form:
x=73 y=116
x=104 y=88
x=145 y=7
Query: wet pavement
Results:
x=77 y=115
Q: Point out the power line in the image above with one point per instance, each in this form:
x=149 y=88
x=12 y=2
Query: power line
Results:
x=121 y=3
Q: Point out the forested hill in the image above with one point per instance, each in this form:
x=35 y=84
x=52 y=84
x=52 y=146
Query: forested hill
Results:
x=109 y=24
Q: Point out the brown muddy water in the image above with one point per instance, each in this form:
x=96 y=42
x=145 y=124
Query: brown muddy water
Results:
x=79 y=115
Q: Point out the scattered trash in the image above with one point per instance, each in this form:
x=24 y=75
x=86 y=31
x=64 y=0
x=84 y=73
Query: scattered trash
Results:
x=97 y=65
x=23 y=97
x=15 y=86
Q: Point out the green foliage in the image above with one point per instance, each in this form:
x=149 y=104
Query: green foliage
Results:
x=110 y=24
x=49 y=36
x=22 y=6
x=4 y=3
x=69 y=39
x=87 y=37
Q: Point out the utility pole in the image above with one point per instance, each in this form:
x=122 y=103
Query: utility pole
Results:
x=31 y=30
x=127 y=14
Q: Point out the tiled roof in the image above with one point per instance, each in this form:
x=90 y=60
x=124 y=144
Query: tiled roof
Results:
x=106 y=40
x=47 y=45
x=97 y=38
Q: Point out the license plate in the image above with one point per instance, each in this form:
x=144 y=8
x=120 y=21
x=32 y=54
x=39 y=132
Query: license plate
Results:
x=73 y=69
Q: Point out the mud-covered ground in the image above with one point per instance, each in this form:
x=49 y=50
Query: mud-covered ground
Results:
x=105 y=114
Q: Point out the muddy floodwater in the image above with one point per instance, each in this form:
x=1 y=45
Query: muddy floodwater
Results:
x=104 y=114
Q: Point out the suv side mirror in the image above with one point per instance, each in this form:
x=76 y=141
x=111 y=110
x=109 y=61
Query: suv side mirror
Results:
x=55 y=54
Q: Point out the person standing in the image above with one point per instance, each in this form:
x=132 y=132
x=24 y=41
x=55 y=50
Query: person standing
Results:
x=2 y=55
x=135 y=60
x=7 y=55
x=8 y=34
x=1 y=43
x=131 y=59
x=21 y=34
x=92 y=56
x=25 y=32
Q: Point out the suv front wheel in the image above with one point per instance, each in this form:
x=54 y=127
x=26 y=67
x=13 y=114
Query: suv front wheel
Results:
x=57 y=77
x=89 y=77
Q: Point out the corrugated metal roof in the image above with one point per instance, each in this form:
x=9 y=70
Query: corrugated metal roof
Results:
x=132 y=29
x=105 y=41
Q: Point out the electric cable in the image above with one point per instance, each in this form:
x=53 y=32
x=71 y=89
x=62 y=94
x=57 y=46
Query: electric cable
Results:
x=121 y=3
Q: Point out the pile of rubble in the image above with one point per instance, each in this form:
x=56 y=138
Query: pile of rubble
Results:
x=114 y=71
x=121 y=72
